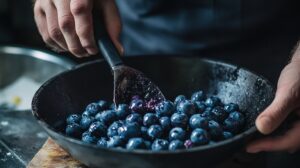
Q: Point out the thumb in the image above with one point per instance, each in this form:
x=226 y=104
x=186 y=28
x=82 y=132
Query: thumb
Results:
x=276 y=112
x=112 y=21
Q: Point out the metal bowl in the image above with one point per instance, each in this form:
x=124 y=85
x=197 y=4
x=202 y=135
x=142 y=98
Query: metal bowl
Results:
x=24 y=66
x=71 y=91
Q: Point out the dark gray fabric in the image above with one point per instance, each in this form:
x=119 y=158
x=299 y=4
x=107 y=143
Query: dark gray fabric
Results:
x=257 y=34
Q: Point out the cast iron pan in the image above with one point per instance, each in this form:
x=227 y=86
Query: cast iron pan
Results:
x=71 y=91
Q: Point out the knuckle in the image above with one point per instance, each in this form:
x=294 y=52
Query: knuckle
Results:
x=66 y=23
x=79 y=7
x=55 y=33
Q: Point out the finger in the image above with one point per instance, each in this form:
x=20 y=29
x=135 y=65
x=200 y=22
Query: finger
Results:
x=82 y=12
x=275 y=113
x=288 y=142
x=52 y=24
x=112 y=21
x=41 y=22
x=67 y=27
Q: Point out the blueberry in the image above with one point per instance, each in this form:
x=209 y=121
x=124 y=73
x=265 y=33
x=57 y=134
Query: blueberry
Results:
x=178 y=99
x=112 y=106
x=227 y=135
x=196 y=121
x=165 y=108
x=215 y=130
x=102 y=142
x=207 y=113
x=134 y=118
x=86 y=114
x=86 y=121
x=232 y=125
x=150 y=119
x=122 y=111
x=144 y=132
x=155 y=131
x=231 y=107
x=237 y=117
x=177 y=133
x=165 y=123
x=199 y=136
x=198 y=96
x=160 y=144
x=212 y=101
x=129 y=130
x=137 y=105
x=148 y=144
x=88 y=138
x=113 y=128
x=200 y=106
x=219 y=114
x=107 y=116
x=187 y=107
x=179 y=120
x=135 y=143
x=73 y=118
x=74 y=130
x=176 y=144
x=103 y=105
x=188 y=144
x=115 y=141
x=98 y=129
x=92 y=109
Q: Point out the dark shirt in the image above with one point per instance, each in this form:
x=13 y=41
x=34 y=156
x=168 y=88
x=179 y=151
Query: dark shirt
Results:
x=225 y=28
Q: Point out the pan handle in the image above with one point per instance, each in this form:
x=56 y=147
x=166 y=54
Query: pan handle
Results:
x=106 y=46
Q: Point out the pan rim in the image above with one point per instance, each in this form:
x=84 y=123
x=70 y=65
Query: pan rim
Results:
x=251 y=131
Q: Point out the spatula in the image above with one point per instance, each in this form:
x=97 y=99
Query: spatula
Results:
x=128 y=82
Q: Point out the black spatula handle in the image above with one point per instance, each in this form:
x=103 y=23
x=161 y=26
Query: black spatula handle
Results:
x=106 y=46
x=109 y=51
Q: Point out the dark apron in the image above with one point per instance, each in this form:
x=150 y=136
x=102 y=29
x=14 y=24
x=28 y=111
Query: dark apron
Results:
x=257 y=30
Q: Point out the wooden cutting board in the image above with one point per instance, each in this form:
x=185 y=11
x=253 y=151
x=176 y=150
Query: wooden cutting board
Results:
x=52 y=156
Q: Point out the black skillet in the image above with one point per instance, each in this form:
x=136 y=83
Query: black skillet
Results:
x=71 y=91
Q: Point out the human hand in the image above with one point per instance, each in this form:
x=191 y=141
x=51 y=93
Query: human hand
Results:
x=286 y=101
x=67 y=25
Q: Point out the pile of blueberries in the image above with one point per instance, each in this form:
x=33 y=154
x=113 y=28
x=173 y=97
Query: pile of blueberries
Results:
x=166 y=126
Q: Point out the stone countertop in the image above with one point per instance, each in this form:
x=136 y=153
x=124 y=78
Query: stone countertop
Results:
x=20 y=138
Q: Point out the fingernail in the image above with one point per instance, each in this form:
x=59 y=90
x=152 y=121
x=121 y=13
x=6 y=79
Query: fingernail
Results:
x=264 y=125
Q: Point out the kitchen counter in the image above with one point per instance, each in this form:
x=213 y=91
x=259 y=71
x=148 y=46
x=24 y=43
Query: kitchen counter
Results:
x=20 y=138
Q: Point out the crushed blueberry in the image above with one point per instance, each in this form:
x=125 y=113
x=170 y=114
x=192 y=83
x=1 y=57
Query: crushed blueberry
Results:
x=182 y=124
